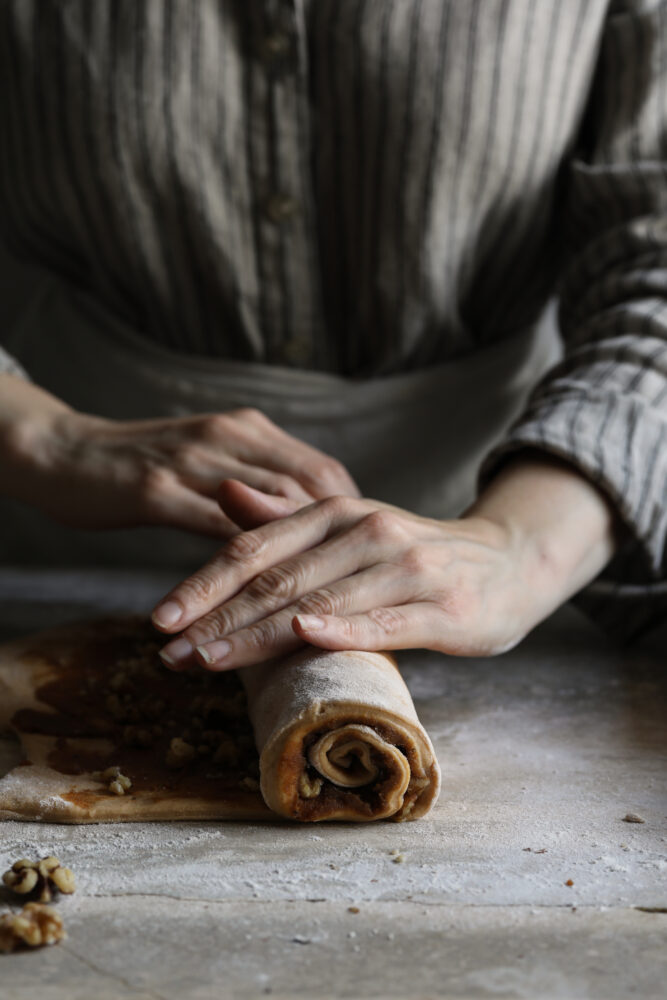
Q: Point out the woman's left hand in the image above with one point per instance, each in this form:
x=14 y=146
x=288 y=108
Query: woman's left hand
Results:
x=347 y=573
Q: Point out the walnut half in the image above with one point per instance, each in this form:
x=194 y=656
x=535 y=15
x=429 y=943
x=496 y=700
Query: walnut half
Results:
x=37 y=924
x=180 y=753
x=309 y=788
x=40 y=877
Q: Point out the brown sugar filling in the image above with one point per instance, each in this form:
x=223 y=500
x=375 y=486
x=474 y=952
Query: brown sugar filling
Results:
x=115 y=692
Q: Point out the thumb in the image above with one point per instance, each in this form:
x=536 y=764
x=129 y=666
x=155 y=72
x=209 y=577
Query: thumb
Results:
x=250 y=508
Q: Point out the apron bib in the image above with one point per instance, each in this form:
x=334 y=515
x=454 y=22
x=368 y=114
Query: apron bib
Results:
x=415 y=440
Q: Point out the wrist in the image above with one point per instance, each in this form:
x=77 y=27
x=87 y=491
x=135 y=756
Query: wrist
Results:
x=561 y=529
x=33 y=428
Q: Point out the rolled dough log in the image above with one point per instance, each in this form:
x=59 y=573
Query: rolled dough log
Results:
x=336 y=733
x=344 y=720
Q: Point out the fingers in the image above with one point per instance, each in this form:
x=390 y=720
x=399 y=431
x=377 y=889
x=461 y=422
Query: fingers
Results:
x=250 y=508
x=247 y=445
x=273 y=448
x=274 y=635
x=201 y=473
x=275 y=484
x=293 y=580
x=179 y=507
x=408 y=626
x=246 y=555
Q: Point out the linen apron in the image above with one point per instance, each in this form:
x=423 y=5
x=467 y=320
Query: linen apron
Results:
x=415 y=439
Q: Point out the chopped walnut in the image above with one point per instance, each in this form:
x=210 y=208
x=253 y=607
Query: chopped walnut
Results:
x=40 y=877
x=137 y=736
x=109 y=775
x=115 y=707
x=226 y=754
x=37 y=924
x=154 y=709
x=213 y=736
x=180 y=753
x=309 y=788
x=228 y=708
x=117 y=783
x=118 y=681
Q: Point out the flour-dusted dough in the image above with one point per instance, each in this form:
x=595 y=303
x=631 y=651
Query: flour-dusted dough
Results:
x=337 y=735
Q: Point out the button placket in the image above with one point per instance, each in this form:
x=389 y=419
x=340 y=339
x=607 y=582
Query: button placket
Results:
x=279 y=208
x=287 y=263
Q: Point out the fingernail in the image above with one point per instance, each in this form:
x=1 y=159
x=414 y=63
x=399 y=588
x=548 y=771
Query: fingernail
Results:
x=213 y=652
x=310 y=623
x=167 y=614
x=175 y=652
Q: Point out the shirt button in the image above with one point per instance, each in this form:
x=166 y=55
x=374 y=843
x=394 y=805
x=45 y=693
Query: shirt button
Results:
x=275 y=46
x=296 y=351
x=277 y=52
x=279 y=208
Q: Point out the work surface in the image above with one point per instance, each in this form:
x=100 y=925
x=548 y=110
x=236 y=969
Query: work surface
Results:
x=543 y=750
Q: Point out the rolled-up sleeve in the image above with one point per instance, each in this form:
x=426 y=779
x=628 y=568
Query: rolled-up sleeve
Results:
x=604 y=407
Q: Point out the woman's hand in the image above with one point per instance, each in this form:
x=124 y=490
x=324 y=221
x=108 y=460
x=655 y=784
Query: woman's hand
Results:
x=90 y=472
x=347 y=573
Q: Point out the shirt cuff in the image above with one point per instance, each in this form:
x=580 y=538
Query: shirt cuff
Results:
x=616 y=443
x=9 y=366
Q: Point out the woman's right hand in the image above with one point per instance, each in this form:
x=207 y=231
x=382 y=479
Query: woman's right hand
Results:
x=90 y=472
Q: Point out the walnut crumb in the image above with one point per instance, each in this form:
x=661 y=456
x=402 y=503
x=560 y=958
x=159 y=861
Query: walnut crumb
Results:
x=180 y=753
x=226 y=754
x=398 y=859
x=37 y=924
x=40 y=877
x=116 y=782
x=633 y=818
x=309 y=788
x=353 y=909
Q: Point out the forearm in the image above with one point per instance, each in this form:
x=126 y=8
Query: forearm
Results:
x=563 y=526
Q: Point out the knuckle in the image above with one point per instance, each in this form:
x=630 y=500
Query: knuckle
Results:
x=320 y=602
x=183 y=455
x=250 y=415
x=327 y=471
x=414 y=560
x=335 y=507
x=387 y=619
x=244 y=547
x=262 y=635
x=381 y=525
x=276 y=584
x=215 y=426
x=208 y=628
x=459 y=603
x=198 y=589
x=153 y=481
x=282 y=485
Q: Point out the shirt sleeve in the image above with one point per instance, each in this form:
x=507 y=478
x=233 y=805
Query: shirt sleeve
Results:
x=10 y=366
x=603 y=408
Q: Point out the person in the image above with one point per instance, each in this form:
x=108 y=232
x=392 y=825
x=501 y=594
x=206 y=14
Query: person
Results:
x=292 y=256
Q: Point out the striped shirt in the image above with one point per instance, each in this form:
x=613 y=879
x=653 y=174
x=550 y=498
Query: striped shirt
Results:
x=367 y=187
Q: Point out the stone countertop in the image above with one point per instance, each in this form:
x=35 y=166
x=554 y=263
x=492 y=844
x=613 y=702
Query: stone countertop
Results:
x=544 y=750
